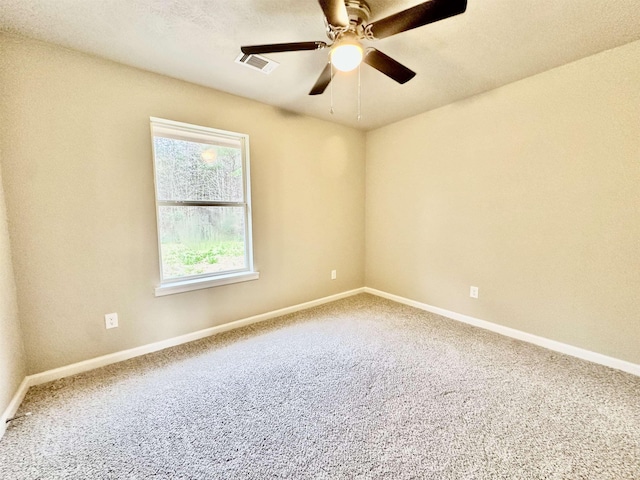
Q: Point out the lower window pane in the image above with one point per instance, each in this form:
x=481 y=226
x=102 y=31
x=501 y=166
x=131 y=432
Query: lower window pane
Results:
x=201 y=240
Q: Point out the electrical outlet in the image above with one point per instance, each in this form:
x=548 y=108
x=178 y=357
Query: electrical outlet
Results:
x=334 y=274
x=111 y=320
x=473 y=292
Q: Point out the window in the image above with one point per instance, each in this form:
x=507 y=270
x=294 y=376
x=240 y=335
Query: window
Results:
x=203 y=206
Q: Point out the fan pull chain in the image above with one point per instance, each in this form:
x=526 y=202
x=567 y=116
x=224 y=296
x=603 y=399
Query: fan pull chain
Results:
x=359 y=93
x=331 y=89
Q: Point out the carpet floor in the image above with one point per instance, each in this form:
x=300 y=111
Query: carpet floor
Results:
x=359 y=388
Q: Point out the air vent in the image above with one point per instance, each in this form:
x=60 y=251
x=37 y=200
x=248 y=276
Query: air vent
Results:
x=257 y=62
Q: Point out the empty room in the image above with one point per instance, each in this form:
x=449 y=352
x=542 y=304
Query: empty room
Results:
x=325 y=239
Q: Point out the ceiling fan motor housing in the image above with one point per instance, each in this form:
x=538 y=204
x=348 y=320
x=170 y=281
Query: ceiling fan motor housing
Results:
x=358 y=11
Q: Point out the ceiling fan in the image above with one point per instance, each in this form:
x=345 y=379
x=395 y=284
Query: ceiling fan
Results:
x=346 y=22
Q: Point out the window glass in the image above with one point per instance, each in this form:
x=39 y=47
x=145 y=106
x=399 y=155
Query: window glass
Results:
x=202 y=201
x=197 y=171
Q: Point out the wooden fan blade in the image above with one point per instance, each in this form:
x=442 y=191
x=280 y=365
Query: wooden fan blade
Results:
x=323 y=81
x=387 y=65
x=427 y=12
x=335 y=12
x=282 y=47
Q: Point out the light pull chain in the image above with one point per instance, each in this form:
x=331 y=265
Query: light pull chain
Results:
x=331 y=88
x=331 y=111
x=359 y=93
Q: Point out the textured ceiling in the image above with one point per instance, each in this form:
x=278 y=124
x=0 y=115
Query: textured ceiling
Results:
x=494 y=43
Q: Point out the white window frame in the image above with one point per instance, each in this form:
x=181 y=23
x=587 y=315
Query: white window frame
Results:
x=195 y=133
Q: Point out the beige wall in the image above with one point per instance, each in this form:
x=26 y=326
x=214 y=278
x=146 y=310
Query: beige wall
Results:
x=530 y=192
x=12 y=360
x=79 y=189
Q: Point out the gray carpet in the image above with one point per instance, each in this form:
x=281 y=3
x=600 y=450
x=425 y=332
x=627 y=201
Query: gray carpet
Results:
x=359 y=388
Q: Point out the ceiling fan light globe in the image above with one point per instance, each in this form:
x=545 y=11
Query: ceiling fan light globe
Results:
x=346 y=57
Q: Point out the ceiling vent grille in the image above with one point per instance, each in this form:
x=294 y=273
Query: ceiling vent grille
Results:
x=257 y=62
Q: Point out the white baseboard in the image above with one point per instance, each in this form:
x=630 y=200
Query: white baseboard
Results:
x=14 y=404
x=86 y=365
x=560 y=347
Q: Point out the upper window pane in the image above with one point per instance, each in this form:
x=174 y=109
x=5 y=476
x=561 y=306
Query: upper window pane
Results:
x=197 y=171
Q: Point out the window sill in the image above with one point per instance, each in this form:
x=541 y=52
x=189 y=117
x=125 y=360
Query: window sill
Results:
x=200 y=283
